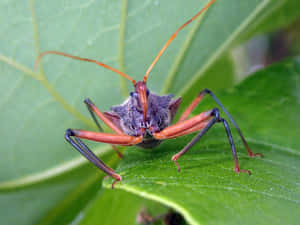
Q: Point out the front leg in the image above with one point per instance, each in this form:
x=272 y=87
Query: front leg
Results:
x=92 y=108
x=89 y=105
x=100 y=137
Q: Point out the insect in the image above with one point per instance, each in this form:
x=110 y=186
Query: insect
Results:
x=145 y=119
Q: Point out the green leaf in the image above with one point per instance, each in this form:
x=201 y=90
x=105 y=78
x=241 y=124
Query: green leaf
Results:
x=207 y=190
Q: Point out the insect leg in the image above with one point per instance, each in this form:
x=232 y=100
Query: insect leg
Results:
x=196 y=138
x=216 y=119
x=236 y=163
x=100 y=137
x=110 y=124
x=115 y=139
x=191 y=107
x=195 y=128
x=87 y=153
x=184 y=126
x=196 y=102
x=99 y=126
x=250 y=153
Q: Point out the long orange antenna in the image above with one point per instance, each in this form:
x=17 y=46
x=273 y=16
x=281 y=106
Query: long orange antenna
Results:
x=172 y=37
x=83 y=59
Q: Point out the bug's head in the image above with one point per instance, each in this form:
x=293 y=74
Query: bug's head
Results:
x=142 y=94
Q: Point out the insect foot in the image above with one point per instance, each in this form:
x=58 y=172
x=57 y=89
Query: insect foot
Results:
x=174 y=158
x=238 y=170
x=117 y=178
x=251 y=154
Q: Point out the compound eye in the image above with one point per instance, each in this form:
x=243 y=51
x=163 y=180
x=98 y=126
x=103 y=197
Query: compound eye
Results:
x=133 y=94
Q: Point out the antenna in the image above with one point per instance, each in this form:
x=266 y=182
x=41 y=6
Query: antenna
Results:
x=172 y=37
x=83 y=59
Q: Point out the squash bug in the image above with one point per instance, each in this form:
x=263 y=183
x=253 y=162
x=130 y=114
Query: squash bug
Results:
x=145 y=118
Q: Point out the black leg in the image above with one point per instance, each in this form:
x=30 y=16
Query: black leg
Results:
x=86 y=101
x=216 y=118
x=250 y=153
x=236 y=163
x=87 y=153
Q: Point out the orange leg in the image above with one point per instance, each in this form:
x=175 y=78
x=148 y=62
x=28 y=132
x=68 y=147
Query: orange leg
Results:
x=182 y=127
x=197 y=127
x=115 y=139
x=191 y=107
x=100 y=137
